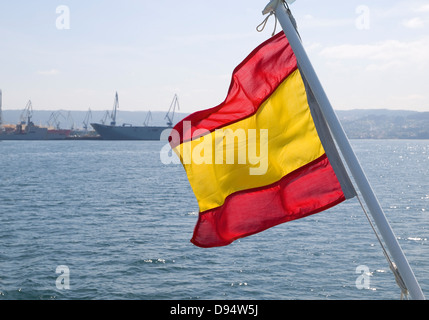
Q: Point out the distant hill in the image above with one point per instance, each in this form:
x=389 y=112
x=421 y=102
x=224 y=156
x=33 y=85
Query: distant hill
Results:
x=358 y=124
x=385 y=124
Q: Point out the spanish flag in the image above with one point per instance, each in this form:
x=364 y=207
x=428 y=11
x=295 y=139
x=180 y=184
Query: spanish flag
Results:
x=264 y=156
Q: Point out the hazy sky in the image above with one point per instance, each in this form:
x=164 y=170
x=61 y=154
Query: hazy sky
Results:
x=371 y=54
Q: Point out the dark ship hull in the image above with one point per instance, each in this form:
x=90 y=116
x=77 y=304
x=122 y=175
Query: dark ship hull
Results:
x=32 y=132
x=127 y=132
x=130 y=132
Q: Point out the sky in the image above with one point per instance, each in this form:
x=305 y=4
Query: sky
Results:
x=74 y=55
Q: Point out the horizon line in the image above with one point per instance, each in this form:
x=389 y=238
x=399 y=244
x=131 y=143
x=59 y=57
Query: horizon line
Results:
x=123 y=110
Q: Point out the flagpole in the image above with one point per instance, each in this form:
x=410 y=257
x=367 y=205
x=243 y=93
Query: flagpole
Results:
x=344 y=145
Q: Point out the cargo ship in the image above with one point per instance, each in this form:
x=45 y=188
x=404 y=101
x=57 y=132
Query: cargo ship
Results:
x=131 y=132
x=27 y=130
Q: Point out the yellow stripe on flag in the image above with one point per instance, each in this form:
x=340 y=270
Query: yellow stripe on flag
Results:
x=293 y=142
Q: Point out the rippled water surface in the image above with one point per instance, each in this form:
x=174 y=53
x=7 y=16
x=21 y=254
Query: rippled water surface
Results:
x=120 y=221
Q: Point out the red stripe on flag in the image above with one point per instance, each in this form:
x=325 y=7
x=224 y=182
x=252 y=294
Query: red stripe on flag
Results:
x=253 y=81
x=308 y=190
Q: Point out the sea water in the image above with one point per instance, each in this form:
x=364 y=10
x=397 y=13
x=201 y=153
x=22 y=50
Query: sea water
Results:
x=108 y=220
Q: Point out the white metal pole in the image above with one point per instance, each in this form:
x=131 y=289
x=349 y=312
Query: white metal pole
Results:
x=347 y=151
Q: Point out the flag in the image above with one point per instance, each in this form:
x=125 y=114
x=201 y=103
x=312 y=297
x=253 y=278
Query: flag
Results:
x=264 y=156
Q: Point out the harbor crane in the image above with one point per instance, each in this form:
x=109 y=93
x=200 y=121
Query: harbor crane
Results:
x=147 y=119
x=111 y=115
x=54 y=119
x=87 y=119
x=115 y=107
x=27 y=113
x=105 y=116
x=172 y=108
